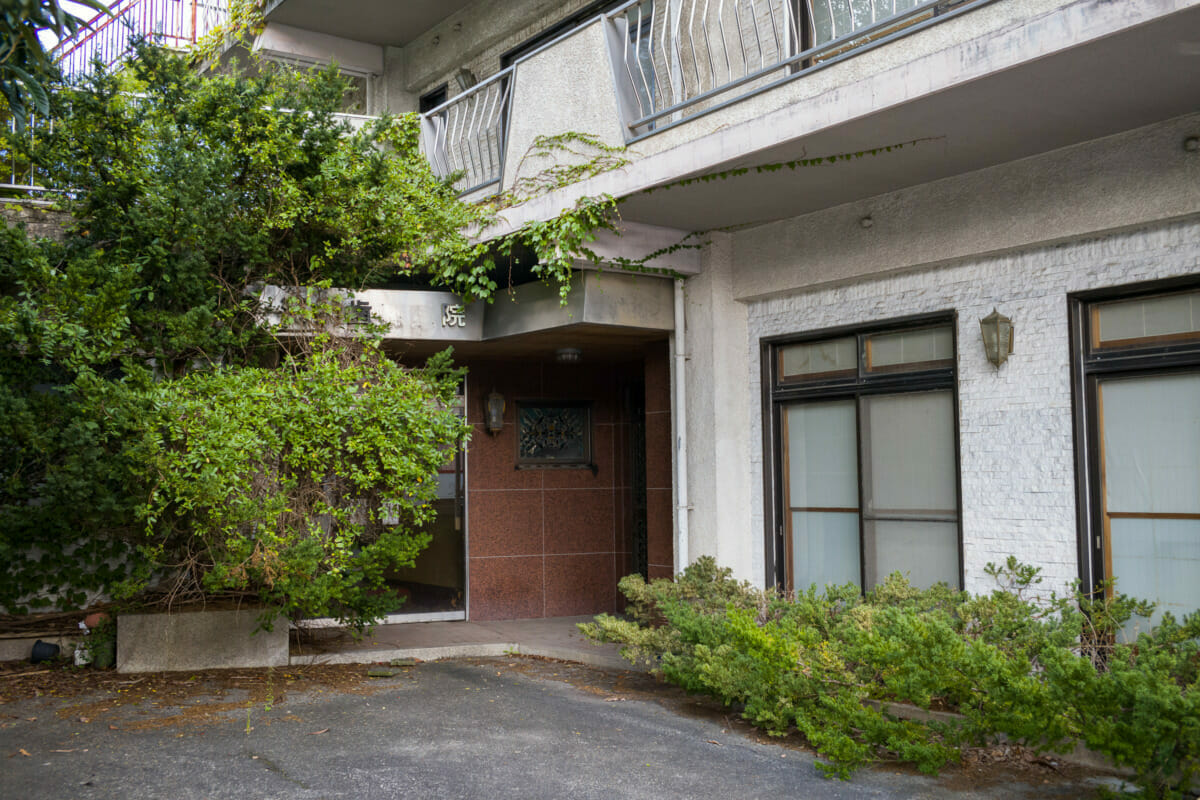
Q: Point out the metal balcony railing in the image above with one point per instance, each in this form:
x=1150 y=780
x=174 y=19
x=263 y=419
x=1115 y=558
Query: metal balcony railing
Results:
x=18 y=173
x=172 y=23
x=680 y=56
x=466 y=134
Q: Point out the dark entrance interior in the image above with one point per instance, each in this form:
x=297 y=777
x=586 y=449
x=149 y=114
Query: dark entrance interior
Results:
x=437 y=583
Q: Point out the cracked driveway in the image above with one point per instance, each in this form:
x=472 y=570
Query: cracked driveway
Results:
x=454 y=729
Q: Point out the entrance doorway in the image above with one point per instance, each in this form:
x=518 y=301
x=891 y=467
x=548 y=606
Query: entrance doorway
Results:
x=435 y=587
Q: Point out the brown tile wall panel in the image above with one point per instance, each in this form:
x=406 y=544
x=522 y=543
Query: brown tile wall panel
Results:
x=579 y=521
x=658 y=451
x=551 y=542
x=584 y=382
x=623 y=500
x=660 y=572
x=583 y=478
x=658 y=377
x=580 y=584
x=510 y=378
x=506 y=523
x=659 y=547
x=621 y=453
x=491 y=460
x=507 y=588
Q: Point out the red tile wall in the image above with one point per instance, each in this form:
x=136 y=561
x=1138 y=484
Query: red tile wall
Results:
x=554 y=542
x=659 y=522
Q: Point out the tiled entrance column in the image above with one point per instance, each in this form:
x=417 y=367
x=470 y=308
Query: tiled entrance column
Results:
x=659 y=526
x=554 y=542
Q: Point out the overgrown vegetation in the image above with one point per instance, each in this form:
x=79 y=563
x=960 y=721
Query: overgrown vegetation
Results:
x=133 y=398
x=1042 y=670
x=303 y=483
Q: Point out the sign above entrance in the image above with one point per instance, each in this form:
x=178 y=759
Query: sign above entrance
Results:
x=610 y=299
x=425 y=315
x=454 y=316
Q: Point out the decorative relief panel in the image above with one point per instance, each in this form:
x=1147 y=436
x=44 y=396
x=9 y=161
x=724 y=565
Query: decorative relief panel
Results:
x=553 y=433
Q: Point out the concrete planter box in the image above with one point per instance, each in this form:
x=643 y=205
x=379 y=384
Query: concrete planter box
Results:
x=192 y=640
x=18 y=648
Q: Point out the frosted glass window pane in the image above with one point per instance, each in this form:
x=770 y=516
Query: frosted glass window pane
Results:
x=831 y=19
x=908 y=442
x=824 y=549
x=1157 y=559
x=924 y=552
x=1152 y=444
x=447 y=486
x=822 y=460
x=837 y=18
x=862 y=13
x=1167 y=315
x=815 y=358
x=918 y=347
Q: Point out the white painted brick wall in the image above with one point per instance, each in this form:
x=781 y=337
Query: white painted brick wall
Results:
x=1015 y=424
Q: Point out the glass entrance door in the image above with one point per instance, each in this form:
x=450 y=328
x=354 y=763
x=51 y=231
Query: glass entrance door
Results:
x=435 y=587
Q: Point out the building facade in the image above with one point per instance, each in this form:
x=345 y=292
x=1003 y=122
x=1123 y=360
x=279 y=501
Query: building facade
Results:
x=808 y=398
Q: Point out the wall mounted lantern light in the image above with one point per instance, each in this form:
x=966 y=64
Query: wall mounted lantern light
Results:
x=494 y=412
x=997 y=332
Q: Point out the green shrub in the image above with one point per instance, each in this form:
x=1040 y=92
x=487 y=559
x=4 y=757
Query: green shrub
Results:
x=1039 y=669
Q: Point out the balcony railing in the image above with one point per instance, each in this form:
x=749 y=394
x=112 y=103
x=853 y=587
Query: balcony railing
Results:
x=18 y=173
x=681 y=56
x=172 y=23
x=466 y=135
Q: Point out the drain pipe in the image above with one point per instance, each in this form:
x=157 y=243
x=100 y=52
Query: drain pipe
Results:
x=682 y=508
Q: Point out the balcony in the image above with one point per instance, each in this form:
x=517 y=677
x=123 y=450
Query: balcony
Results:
x=172 y=23
x=692 y=87
x=672 y=60
x=697 y=88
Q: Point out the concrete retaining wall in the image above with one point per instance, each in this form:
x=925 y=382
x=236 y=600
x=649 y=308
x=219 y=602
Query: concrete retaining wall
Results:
x=198 y=640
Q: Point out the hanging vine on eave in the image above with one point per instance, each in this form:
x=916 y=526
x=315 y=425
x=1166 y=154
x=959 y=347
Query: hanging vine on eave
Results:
x=561 y=241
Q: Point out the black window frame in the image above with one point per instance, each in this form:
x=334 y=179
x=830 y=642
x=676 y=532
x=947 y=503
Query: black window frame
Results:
x=549 y=34
x=776 y=393
x=433 y=98
x=1090 y=365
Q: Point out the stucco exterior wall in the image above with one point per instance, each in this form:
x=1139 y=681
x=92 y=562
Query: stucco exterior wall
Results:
x=984 y=40
x=1016 y=442
x=1019 y=238
x=720 y=489
x=1129 y=180
x=476 y=38
x=577 y=75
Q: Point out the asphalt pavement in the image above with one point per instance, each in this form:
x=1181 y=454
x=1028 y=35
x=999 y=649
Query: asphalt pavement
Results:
x=451 y=729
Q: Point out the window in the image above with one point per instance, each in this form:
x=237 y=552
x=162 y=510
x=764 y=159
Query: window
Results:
x=1137 y=385
x=554 y=434
x=865 y=456
x=431 y=99
x=544 y=37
